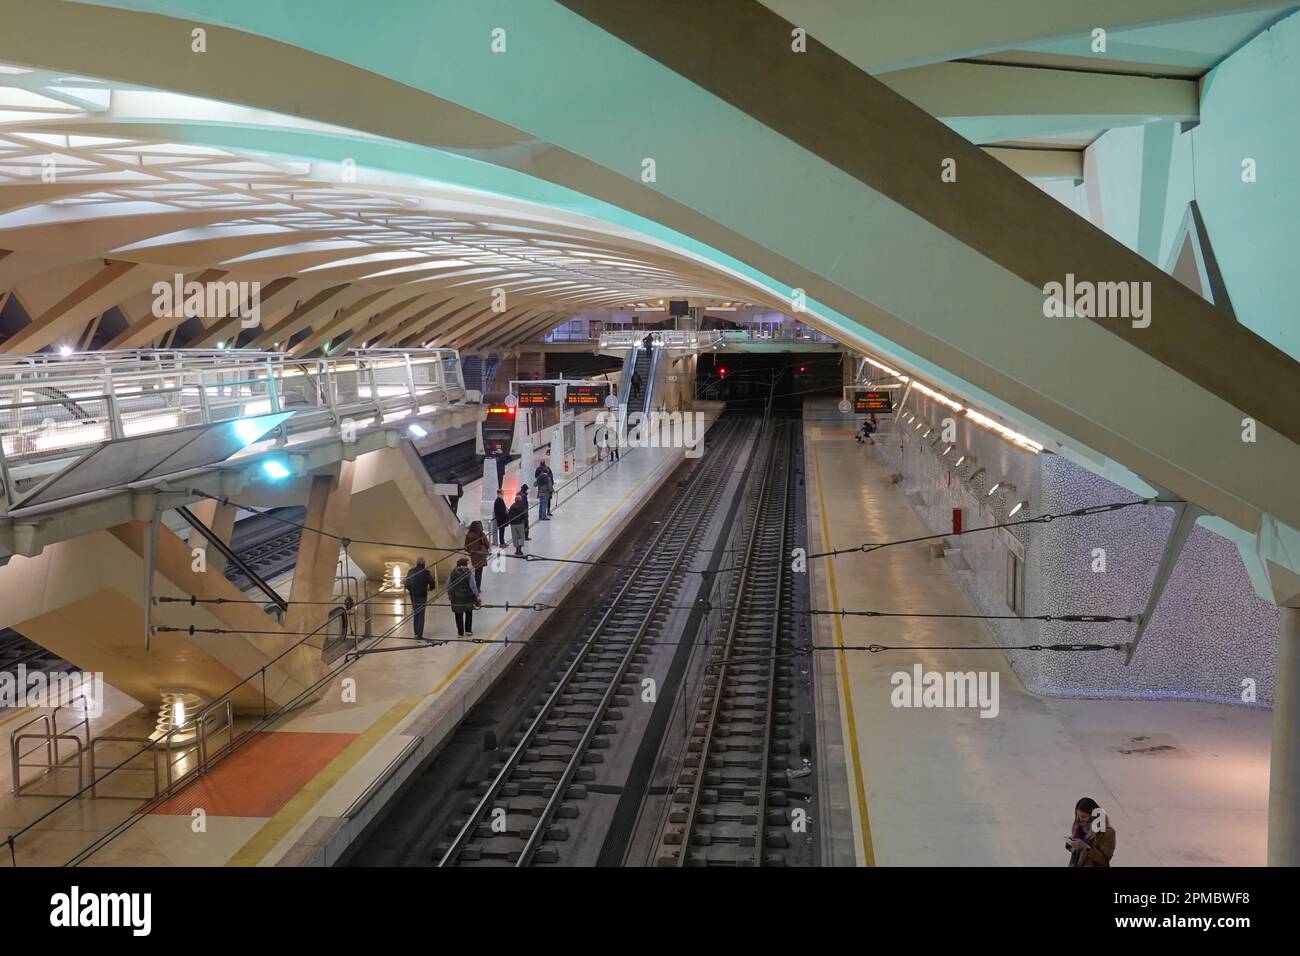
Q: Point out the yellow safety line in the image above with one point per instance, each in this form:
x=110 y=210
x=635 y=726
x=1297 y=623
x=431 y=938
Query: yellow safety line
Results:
x=275 y=829
x=22 y=712
x=868 y=848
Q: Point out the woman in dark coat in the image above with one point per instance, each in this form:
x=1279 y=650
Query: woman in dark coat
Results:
x=479 y=547
x=501 y=514
x=463 y=594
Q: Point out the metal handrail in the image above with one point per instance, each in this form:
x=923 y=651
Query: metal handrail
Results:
x=51 y=407
x=13 y=746
x=51 y=740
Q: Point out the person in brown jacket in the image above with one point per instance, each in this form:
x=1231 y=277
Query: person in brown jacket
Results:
x=1089 y=845
x=479 y=547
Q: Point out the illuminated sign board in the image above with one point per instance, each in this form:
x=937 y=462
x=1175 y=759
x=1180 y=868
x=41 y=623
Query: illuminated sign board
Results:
x=536 y=396
x=585 y=396
x=873 y=400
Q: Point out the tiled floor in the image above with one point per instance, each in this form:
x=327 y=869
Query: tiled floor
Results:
x=946 y=786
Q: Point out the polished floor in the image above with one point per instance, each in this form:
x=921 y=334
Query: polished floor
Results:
x=945 y=786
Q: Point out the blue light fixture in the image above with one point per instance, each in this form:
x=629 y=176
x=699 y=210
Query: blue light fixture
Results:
x=275 y=470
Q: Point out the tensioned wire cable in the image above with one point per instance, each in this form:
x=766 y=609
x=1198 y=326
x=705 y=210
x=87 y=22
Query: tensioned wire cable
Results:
x=706 y=605
x=864 y=548
x=421 y=642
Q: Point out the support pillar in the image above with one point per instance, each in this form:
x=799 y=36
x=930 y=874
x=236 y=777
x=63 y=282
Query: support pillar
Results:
x=318 y=554
x=1284 y=765
x=490 y=487
x=221 y=519
x=526 y=463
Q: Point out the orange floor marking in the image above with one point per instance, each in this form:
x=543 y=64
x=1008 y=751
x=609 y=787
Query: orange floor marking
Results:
x=261 y=776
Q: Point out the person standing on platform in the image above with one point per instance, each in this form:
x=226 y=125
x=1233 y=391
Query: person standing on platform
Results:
x=499 y=457
x=501 y=515
x=523 y=492
x=545 y=489
x=516 y=517
x=1092 y=839
x=463 y=593
x=479 y=547
x=418 y=582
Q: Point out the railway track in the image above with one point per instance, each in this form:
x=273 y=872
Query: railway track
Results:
x=732 y=803
x=266 y=544
x=523 y=813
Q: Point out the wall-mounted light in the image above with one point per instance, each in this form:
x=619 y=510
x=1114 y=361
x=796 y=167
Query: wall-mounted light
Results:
x=993 y=490
x=947 y=450
x=275 y=470
x=416 y=431
x=1019 y=506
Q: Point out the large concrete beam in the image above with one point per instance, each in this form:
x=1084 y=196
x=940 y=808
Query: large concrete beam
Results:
x=983 y=89
x=1040 y=163
x=900 y=34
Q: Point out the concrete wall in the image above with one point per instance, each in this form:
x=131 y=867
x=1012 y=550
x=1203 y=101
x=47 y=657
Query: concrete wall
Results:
x=1209 y=633
x=1140 y=180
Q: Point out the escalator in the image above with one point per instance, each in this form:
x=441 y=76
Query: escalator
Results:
x=640 y=381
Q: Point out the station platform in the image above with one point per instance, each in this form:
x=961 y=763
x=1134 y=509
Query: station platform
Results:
x=1184 y=784
x=302 y=790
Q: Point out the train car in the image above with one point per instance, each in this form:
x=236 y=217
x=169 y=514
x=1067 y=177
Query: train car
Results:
x=499 y=425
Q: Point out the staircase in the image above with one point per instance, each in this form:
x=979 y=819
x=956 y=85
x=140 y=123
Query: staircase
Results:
x=471 y=367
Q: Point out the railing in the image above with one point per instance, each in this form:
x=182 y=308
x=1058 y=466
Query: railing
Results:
x=53 y=408
x=668 y=339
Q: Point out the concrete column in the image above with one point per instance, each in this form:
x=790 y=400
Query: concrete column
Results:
x=221 y=519
x=555 y=452
x=1284 y=769
x=318 y=554
x=490 y=487
x=526 y=463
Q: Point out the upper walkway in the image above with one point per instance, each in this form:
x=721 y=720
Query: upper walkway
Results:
x=111 y=427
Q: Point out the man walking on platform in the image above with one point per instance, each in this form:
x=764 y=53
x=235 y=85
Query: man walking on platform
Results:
x=545 y=488
x=516 y=517
x=418 y=582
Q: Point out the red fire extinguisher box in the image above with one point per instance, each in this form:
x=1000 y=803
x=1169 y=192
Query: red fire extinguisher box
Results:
x=956 y=521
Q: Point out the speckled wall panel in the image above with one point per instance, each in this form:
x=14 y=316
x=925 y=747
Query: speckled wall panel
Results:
x=1210 y=633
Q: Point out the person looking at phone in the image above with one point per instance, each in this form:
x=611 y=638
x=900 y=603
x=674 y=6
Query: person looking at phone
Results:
x=1092 y=839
